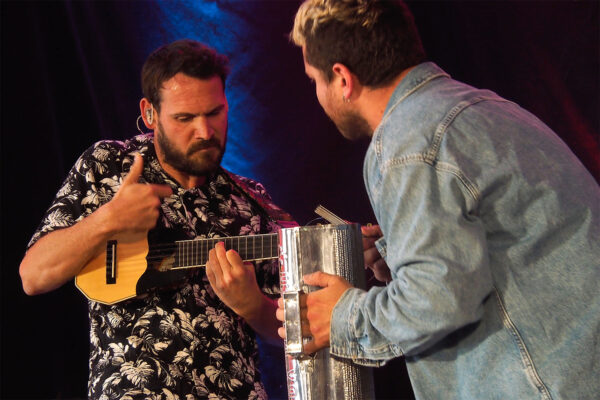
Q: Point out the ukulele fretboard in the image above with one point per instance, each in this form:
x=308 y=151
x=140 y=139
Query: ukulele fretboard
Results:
x=194 y=253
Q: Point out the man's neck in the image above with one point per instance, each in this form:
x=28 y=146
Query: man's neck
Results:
x=186 y=181
x=373 y=102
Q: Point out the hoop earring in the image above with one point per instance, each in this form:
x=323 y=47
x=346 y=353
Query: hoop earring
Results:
x=137 y=125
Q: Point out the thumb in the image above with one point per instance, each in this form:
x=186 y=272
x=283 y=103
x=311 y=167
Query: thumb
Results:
x=321 y=279
x=161 y=191
x=135 y=171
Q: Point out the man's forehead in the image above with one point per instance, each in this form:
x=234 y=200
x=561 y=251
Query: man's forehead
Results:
x=182 y=81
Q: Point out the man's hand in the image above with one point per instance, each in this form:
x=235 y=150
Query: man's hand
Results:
x=372 y=257
x=135 y=207
x=233 y=281
x=316 y=309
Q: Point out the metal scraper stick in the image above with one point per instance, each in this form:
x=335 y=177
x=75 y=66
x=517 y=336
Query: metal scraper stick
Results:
x=329 y=216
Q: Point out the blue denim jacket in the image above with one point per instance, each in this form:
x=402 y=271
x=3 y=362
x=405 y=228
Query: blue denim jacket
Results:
x=492 y=231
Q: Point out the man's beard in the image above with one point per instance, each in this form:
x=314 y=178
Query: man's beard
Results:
x=200 y=164
x=352 y=125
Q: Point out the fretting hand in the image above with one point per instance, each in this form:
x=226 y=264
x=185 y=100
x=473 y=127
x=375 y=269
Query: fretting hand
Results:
x=234 y=281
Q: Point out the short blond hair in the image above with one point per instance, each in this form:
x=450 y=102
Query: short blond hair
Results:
x=315 y=13
x=376 y=40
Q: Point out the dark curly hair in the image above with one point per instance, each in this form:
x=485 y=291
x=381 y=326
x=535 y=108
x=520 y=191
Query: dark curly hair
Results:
x=186 y=56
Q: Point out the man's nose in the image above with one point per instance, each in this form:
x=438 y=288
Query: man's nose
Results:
x=202 y=129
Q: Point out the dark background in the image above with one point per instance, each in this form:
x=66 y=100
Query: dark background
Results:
x=70 y=77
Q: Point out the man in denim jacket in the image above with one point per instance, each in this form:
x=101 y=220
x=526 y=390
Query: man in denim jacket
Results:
x=490 y=224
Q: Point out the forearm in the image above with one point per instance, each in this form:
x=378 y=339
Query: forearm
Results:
x=58 y=256
x=262 y=320
x=437 y=253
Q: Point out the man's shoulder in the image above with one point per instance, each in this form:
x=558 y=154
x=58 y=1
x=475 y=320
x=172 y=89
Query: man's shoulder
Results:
x=257 y=191
x=110 y=150
x=138 y=142
x=247 y=184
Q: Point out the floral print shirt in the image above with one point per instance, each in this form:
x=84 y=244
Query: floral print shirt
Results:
x=178 y=342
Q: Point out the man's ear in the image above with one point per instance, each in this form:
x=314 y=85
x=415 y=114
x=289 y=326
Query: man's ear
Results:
x=347 y=81
x=148 y=113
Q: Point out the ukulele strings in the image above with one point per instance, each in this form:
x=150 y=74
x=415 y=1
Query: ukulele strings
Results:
x=162 y=250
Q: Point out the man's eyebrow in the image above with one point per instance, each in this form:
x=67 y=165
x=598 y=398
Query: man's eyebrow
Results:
x=217 y=108
x=184 y=114
x=188 y=114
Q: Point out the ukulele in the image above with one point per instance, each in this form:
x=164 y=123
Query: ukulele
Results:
x=126 y=269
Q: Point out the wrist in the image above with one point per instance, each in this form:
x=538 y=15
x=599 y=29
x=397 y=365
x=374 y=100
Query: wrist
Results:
x=255 y=309
x=105 y=221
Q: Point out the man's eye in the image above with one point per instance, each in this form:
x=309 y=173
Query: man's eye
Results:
x=215 y=112
x=184 y=119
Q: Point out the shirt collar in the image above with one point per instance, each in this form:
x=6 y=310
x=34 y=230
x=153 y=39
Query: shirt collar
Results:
x=413 y=81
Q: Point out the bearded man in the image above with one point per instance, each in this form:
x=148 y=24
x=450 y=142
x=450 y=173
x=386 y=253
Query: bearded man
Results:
x=194 y=336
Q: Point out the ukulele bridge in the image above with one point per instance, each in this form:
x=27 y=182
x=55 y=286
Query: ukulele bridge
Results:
x=111 y=262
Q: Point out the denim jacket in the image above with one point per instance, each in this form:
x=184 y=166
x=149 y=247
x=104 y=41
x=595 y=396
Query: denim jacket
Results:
x=491 y=232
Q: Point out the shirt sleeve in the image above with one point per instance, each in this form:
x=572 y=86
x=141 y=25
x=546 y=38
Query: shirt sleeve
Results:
x=435 y=246
x=90 y=183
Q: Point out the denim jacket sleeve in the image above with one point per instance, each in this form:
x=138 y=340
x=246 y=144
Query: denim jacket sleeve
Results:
x=435 y=247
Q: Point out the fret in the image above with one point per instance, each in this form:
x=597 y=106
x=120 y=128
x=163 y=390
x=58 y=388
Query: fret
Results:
x=179 y=257
x=209 y=245
x=188 y=253
x=272 y=237
x=194 y=255
x=184 y=254
x=181 y=251
x=203 y=252
x=199 y=253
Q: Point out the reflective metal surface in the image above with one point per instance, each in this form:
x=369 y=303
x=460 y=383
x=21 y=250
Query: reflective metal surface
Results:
x=335 y=249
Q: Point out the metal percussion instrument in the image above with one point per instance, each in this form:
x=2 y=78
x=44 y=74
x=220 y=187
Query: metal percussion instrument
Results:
x=334 y=249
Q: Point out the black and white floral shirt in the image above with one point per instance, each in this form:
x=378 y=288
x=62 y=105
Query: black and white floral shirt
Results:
x=179 y=342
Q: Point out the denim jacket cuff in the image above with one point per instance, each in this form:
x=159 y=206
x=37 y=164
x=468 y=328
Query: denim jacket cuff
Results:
x=381 y=246
x=342 y=337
